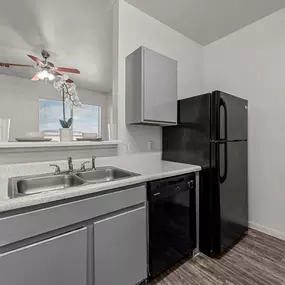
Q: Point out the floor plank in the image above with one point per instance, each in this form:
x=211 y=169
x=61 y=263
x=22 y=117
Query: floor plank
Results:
x=258 y=259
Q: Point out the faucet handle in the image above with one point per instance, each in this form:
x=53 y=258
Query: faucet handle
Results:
x=93 y=163
x=57 y=169
x=70 y=165
x=83 y=167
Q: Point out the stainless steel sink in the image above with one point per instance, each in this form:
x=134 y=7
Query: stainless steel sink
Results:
x=28 y=185
x=105 y=174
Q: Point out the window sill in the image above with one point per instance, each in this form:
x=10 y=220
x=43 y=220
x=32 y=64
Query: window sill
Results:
x=26 y=152
x=52 y=144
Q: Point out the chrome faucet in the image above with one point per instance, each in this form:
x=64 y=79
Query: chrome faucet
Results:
x=83 y=167
x=57 y=169
x=93 y=163
x=70 y=165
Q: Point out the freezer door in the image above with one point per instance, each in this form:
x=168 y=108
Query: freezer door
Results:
x=232 y=177
x=229 y=117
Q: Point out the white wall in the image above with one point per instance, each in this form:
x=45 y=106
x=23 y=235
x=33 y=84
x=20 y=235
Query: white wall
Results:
x=19 y=101
x=135 y=29
x=251 y=63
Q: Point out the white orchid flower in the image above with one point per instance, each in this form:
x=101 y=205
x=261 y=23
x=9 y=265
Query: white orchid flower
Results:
x=70 y=93
x=65 y=77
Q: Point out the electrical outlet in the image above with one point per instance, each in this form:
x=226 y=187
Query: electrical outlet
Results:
x=151 y=146
x=128 y=148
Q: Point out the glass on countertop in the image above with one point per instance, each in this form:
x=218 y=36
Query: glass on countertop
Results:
x=4 y=129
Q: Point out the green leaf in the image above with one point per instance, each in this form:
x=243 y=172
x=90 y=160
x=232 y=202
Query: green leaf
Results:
x=69 y=122
x=63 y=124
x=66 y=124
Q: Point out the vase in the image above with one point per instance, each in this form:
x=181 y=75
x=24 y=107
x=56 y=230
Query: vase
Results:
x=65 y=135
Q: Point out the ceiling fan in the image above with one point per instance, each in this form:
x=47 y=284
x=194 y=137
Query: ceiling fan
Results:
x=47 y=70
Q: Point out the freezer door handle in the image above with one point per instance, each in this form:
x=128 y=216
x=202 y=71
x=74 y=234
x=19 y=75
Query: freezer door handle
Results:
x=223 y=176
x=223 y=105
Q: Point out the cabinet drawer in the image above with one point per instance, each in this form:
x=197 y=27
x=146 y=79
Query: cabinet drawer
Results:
x=58 y=261
x=32 y=223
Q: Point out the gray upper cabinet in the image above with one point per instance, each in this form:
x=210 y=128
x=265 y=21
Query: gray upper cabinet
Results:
x=151 y=88
x=120 y=246
x=61 y=260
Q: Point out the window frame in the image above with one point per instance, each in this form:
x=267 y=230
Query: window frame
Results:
x=55 y=136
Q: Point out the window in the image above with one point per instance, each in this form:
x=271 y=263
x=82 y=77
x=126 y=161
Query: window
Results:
x=86 y=119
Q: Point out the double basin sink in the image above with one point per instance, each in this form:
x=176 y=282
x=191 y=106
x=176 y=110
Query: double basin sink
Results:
x=28 y=185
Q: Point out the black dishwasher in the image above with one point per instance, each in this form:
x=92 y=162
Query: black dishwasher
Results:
x=172 y=221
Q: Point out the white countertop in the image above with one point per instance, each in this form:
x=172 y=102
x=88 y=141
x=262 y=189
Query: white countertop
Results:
x=149 y=166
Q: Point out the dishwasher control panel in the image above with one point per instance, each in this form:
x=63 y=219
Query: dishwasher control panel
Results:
x=166 y=187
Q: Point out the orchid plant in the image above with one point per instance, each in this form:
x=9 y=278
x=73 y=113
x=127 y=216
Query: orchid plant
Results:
x=69 y=96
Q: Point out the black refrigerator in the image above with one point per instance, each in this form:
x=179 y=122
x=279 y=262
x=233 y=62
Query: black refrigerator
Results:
x=212 y=132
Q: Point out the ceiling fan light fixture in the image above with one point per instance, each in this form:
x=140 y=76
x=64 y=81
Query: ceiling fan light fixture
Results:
x=46 y=75
x=51 y=76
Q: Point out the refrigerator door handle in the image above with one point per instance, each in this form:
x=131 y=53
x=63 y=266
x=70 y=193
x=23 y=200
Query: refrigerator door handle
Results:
x=223 y=177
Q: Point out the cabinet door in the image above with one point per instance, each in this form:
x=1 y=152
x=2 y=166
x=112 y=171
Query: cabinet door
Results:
x=159 y=88
x=57 y=261
x=121 y=249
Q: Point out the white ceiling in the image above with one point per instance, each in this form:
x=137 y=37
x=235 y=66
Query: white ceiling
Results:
x=77 y=34
x=205 y=21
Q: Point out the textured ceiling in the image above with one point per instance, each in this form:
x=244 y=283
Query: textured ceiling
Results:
x=77 y=33
x=205 y=21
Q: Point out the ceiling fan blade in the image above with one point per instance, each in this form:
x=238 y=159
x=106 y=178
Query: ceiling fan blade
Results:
x=13 y=64
x=35 y=59
x=55 y=73
x=36 y=77
x=69 y=70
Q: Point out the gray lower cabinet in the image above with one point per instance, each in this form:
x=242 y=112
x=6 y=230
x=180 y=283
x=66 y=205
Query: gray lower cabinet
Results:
x=120 y=247
x=61 y=260
x=117 y=255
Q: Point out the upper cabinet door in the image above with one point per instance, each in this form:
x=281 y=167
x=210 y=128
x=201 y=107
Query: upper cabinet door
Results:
x=159 y=88
x=60 y=260
x=151 y=88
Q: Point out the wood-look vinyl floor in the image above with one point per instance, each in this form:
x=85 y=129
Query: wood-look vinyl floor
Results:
x=257 y=259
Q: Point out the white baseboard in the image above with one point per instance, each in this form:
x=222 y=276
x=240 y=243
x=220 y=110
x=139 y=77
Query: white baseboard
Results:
x=267 y=230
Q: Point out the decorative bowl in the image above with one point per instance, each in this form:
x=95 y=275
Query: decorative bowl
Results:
x=38 y=135
x=90 y=135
